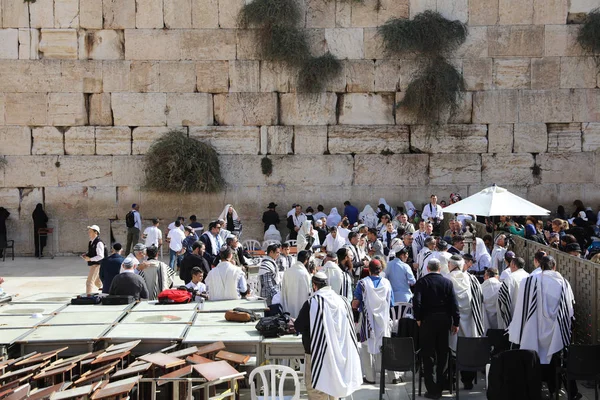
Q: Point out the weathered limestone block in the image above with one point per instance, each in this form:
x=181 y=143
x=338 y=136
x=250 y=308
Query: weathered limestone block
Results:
x=90 y=14
x=26 y=108
x=531 y=138
x=545 y=73
x=208 y=44
x=212 y=76
x=419 y=6
x=564 y=138
x=499 y=106
x=364 y=14
x=591 y=136
x=477 y=73
x=392 y=9
x=66 y=109
x=144 y=76
x=449 y=138
x=320 y=13
x=279 y=139
x=246 y=109
x=476 y=44
x=2 y=108
x=484 y=12
x=116 y=76
x=373 y=42
x=516 y=40
x=512 y=73
x=367 y=109
x=310 y=170
x=179 y=76
x=129 y=171
x=29 y=39
x=578 y=72
x=343 y=14
x=105 y=45
x=313 y=139
x=47 y=140
x=567 y=167
x=454 y=168
x=15 y=140
x=545 y=106
x=500 y=138
x=205 y=14
x=66 y=14
x=15 y=14
x=506 y=169
x=368 y=139
x=29 y=76
x=374 y=169
x=152 y=44
x=586 y=105
x=149 y=14
x=229 y=139
x=79 y=76
x=112 y=140
x=186 y=109
x=561 y=40
x=178 y=14
x=345 y=43
x=80 y=140
x=244 y=76
x=582 y=6
x=118 y=14
x=41 y=14
x=85 y=170
x=547 y=12
x=308 y=109
x=516 y=12
x=247 y=44
x=277 y=77
x=387 y=75
x=59 y=43
x=139 y=109
x=360 y=76
x=30 y=171
x=77 y=201
x=228 y=13
x=100 y=110
x=9 y=44
x=454 y=9
x=10 y=197
x=404 y=116
x=144 y=136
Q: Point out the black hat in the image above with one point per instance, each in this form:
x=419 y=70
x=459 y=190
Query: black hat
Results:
x=272 y=205
x=573 y=247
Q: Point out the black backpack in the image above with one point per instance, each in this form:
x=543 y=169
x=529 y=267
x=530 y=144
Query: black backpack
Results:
x=130 y=219
x=272 y=327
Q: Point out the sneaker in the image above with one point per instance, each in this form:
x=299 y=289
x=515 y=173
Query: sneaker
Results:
x=432 y=395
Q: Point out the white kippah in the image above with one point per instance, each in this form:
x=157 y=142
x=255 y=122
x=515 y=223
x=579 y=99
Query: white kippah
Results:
x=320 y=276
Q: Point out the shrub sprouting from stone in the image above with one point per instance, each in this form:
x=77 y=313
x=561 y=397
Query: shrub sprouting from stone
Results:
x=283 y=43
x=588 y=36
x=178 y=163
x=266 y=165
x=317 y=71
x=3 y=163
x=270 y=13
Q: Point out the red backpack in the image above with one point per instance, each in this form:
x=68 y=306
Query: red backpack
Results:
x=174 y=296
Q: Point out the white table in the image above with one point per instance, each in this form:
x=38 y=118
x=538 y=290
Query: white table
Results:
x=285 y=347
x=225 y=305
x=154 y=337
x=95 y=308
x=80 y=318
x=8 y=337
x=29 y=309
x=154 y=306
x=79 y=338
x=165 y=317
x=47 y=297
x=21 y=321
x=217 y=318
x=243 y=339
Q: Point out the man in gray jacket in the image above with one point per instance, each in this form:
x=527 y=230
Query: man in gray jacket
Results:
x=127 y=283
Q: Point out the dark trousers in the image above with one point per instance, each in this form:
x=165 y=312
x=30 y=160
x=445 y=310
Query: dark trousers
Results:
x=40 y=243
x=467 y=377
x=434 y=350
x=549 y=376
x=133 y=237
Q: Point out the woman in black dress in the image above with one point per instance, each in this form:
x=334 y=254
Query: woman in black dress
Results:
x=40 y=220
x=4 y=214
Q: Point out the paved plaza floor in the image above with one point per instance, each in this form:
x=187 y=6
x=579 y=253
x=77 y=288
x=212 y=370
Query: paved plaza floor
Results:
x=26 y=275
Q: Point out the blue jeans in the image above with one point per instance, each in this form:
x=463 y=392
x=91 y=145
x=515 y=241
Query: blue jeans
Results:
x=172 y=258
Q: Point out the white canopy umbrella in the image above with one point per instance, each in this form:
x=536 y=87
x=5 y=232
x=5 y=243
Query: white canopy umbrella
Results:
x=495 y=200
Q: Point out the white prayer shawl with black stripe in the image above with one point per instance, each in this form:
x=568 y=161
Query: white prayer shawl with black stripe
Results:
x=335 y=362
x=375 y=315
x=490 y=289
x=422 y=259
x=295 y=289
x=507 y=297
x=340 y=282
x=543 y=315
x=158 y=277
x=469 y=297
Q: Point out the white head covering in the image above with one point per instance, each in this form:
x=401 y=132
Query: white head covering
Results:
x=480 y=249
x=305 y=228
x=368 y=210
x=410 y=208
x=334 y=217
x=387 y=207
x=223 y=215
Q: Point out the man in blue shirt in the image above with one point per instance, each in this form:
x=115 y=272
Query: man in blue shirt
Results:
x=111 y=267
x=351 y=212
x=401 y=277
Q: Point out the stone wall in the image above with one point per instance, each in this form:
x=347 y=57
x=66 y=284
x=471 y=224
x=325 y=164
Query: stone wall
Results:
x=87 y=85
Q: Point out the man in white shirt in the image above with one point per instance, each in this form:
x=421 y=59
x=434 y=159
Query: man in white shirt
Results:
x=295 y=221
x=433 y=213
x=491 y=286
x=172 y=224
x=133 y=220
x=152 y=235
x=196 y=284
x=136 y=257
x=175 y=239
x=226 y=281
x=343 y=230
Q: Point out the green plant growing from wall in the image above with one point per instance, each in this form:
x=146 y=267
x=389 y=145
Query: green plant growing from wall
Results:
x=437 y=89
x=588 y=35
x=266 y=165
x=178 y=163
x=3 y=163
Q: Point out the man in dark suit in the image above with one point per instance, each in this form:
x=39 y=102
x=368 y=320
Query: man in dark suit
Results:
x=111 y=267
x=270 y=217
x=194 y=259
x=127 y=283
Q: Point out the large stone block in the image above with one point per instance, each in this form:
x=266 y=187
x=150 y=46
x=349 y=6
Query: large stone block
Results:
x=373 y=42
x=321 y=13
x=100 y=110
x=30 y=171
x=500 y=138
x=118 y=14
x=66 y=14
x=187 y=109
x=578 y=72
x=205 y=14
x=212 y=76
x=15 y=14
x=449 y=138
x=29 y=40
x=116 y=76
x=59 y=43
x=80 y=140
x=41 y=14
x=67 y=109
x=179 y=76
x=454 y=9
x=10 y=197
x=246 y=109
x=499 y=106
x=545 y=106
x=360 y=76
x=586 y=105
x=564 y=137
x=85 y=170
x=591 y=136
x=506 y=169
x=149 y=14
x=178 y=14
x=476 y=44
x=47 y=141
x=545 y=73
x=477 y=73
x=229 y=139
x=387 y=75
x=9 y=44
x=26 y=108
x=83 y=202
x=80 y=76
x=549 y=12
x=368 y=139
x=152 y=44
x=567 y=167
x=516 y=12
x=105 y=45
x=483 y=12
x=277 y=77
x=208 y=44
x=279 y=139
x=15 y=140
x=313 y=139
x=244 y=76
x=582 y=6
x=228 y=13
x=129 y=171
x=516 y=40
x=419 y=6
x=144 y=76
x=531 y=138
x=113 y=140
x=392 y=9
x=454 y=168
x=90 y=14
x=29 y=76
x=512 y=73
x=308 y=109
x=144 y=136
x=345 y=42
x=561 y=40
x=139 y=109
x=247 y=43
x=373 y=170
x=2 y=108
x=367 y=109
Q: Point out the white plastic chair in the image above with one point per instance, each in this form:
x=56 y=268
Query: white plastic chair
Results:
x=291 y=242
x=406 y=313
x=251 y=244
x=271 y=390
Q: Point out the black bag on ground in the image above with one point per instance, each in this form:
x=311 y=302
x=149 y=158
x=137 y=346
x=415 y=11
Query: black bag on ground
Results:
x=113 y=300
x=271 y=327
x=85 y=299
x=516 y=375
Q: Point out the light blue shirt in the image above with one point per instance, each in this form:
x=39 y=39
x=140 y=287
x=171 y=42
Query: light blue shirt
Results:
x=401 y=278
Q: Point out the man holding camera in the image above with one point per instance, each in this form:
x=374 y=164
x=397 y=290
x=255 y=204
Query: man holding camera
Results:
x=433 y=213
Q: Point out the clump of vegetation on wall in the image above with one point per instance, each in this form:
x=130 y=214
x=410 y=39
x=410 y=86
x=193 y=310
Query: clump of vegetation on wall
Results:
x=3 y=163
x=317 y=71
x=266 y=165
x=588 y=36
x=178 y=163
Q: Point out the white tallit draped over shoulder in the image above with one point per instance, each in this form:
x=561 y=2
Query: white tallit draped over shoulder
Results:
x=368 y=217
x=469 y=297
x=295 y=288
x=340 y=282
x=334 y=218
x=221 y=281
x=303 y=232
x=375 y=317
x=234 y=214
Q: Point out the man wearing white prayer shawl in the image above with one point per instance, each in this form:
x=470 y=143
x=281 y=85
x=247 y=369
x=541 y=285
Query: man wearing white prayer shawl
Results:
x=441 y=254
x=340 y=281
x=226 y=281
x=507 y=295
x=490 y=287
x=332 y=363
x=498 y=253
x=419 y=237
x=357 y=253
x=373 y=297
x=424 y=256
x=469 y=297
x=295 y=285
x=368 y=217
